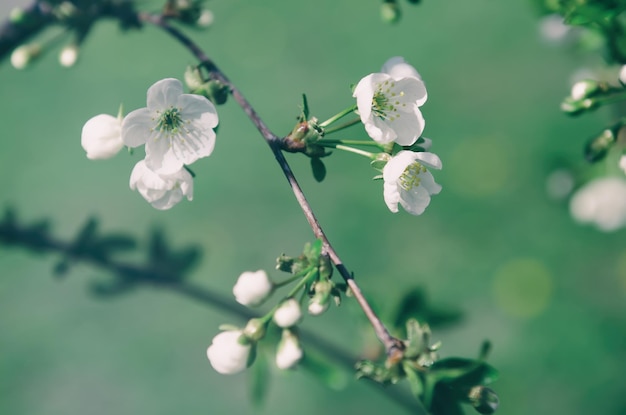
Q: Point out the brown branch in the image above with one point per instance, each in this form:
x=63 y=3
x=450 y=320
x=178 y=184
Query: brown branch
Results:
x=393 y=347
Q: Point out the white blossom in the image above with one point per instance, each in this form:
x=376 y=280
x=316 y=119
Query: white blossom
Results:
x=162 y=191
x=226 y=354
x=289 y=351
x=388 y=103
x=288 y=314
x=101 y=137
x=408 y=182
x=601 y=202
x=176 y=128
x=252 y=288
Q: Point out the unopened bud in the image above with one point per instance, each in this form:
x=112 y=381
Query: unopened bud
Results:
x=68 y=55
x=23 y=55
x=584 y=89
x=205 y=19
x=390 y=12
x=255 y=329
x=483 y=399
x=598 y=147
x=193 y=78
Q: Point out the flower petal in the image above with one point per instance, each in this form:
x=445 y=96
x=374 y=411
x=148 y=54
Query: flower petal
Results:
x=137 y=127
x=397 y=68
x=164 y=93
x=198 y=108
x=407 y=127
x=429 y=160
x=415 y=200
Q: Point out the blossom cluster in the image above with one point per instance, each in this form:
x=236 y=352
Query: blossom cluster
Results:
x=388 y=103
x=232 y=350
x=176 y=130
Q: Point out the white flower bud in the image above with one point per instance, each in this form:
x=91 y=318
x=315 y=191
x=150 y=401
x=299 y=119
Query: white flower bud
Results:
x=69 y=56
x=23 y=55
x=101 y=137
x=206 y=18
x=226 y=354
x=252 y=288
x=289 y=351
x=317 y=307
x=288 y=314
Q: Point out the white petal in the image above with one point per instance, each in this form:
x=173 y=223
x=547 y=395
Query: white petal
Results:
x=407 y=127
x=391 y=195
x=379 y=130
x=137 y=127
x=396 y=166
x=164 y=94
x=430 y=160
x=197 y=143
x=364 y=92
x=415 y=200
x=198 y=109
x=398 y=68
x=160 y=156
x=414 y=91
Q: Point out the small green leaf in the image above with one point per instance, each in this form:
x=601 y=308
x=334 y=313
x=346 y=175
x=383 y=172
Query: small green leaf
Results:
x=415 y=382
x=319 y=169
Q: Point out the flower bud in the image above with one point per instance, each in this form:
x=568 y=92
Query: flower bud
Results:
x=193 y=78
x=622 y=75
x=584 y=89
x=252 y=288
x=288 y=314
x=205 y=19
x=321 y=299
x=483 y=399
x=255 y=329
x=289 y=351
x=68 y=55
x=101 y=136
x=597 y=147
x=390 y=12
x=23 y=55
x=227 y=354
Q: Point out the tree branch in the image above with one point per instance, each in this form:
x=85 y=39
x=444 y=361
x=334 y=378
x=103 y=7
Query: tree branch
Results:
x=393 y=347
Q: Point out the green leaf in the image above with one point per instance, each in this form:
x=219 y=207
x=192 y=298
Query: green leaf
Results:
x=415 y=382
x=259 y=381
x=461 y=372
x=319 y=169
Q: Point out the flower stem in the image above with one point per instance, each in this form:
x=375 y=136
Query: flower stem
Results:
x=349 y=149
x=338 y=116
x=342 y=126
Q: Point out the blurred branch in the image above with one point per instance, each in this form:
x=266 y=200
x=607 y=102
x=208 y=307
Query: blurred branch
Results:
x=164 y=268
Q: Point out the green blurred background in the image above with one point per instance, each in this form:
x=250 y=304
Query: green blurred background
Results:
x=547 y=292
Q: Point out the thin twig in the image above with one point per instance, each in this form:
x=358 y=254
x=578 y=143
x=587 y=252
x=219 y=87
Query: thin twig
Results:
x=393 y=347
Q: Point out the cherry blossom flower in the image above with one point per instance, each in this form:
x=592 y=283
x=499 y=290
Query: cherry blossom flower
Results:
x=160 y=190
x=101 y=137
x=288 y=314
x=388 y=103
x=227 y=354
x=176 y=128
x=408 y=182
x=601 y=202
x=252 y=288
x=289 y=352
